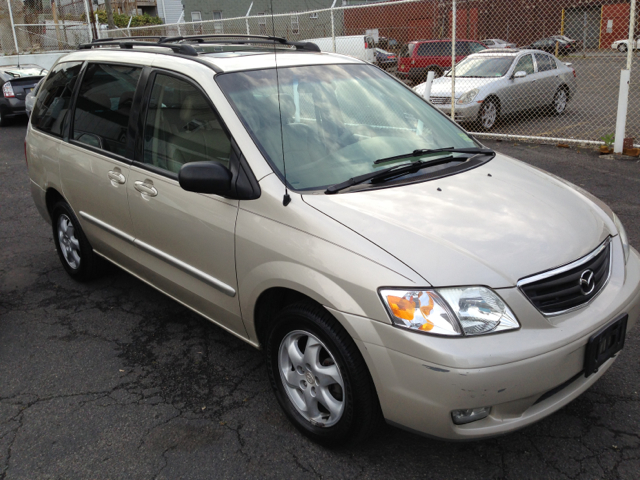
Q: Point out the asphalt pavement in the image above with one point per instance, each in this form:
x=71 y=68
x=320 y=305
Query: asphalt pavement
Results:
x=113 y=380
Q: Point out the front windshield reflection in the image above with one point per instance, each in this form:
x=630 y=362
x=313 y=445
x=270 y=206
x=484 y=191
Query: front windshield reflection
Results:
x=336 y=120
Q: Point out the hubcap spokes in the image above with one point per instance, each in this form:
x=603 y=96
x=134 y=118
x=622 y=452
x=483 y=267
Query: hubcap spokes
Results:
x=69 y=244
x=561 y=101
x=489 y=114
x=311 y=378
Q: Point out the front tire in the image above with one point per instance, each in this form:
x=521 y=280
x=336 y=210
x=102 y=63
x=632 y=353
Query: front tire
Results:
x=489 y=114
x=319 y=376
x=75 y=252
x=622 y=48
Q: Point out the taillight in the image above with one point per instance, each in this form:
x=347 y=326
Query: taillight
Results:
x=25 y=152
x=7 y=90
x=574 y=73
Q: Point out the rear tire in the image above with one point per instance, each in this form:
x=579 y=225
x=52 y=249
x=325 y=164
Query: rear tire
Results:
x=4 y=120
x=319 y=376
x=75 y=252
x=560 y=100
x=622 y=48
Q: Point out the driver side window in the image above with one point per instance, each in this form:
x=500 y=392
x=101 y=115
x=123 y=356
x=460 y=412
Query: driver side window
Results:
x=525 y=64
x=181 y=127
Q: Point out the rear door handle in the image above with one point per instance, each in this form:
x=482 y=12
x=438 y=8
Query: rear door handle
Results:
x=146 y=188
x=116 y=177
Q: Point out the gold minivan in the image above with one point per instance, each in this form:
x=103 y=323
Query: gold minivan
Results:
x=388 y=264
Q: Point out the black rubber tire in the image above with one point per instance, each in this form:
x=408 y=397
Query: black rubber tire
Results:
x=91 y=265
x=362 y=415
x=4 y=120
x=622 y=48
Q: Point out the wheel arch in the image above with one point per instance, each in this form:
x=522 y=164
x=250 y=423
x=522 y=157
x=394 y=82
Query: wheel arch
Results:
x=52 y=196
x=271 y=291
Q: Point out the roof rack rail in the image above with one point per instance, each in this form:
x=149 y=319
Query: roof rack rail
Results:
x=182 y=48
x=242 y=39
x=160 y=38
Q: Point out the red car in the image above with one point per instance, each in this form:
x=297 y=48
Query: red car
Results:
x=417 y=58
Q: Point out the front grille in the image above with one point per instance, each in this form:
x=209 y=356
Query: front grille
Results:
x=440 y=100
x=571 y=286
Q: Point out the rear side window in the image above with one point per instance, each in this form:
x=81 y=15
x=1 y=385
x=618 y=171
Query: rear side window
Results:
x=545 y=62
x=476 y=47
x=52 y=104
x=462 y=48
x=181 y=127
x=104 y=105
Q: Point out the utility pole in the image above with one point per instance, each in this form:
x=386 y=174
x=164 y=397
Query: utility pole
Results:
x=107 y=7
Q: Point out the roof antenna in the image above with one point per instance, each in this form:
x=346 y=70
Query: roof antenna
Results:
x=286 y=200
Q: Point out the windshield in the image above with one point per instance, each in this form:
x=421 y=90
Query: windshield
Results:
x=484 y=67
x=336 y=121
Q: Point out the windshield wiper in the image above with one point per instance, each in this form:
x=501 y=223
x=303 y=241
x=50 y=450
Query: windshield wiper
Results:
x=387 y=173
x=426 y=151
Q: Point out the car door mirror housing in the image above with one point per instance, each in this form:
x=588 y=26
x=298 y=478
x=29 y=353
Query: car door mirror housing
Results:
x=205 y=177
x=520 y=74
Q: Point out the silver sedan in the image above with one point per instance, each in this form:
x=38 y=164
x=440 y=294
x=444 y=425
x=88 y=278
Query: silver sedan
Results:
x=497 y=43
x=495 y=83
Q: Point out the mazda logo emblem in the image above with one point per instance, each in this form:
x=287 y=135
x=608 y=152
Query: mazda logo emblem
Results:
x=587 y=283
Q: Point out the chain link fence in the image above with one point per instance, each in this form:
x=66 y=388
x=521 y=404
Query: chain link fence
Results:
x=566 y=91
x=34 y=26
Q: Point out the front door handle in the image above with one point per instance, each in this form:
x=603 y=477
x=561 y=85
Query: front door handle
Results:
x=116 y=176
x=146 y=188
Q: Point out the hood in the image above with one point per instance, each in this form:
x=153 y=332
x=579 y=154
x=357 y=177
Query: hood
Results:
x=441 y=87
x=488 y=226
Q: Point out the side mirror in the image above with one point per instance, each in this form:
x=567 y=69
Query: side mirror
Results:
x=520 y=74
x=205 y=177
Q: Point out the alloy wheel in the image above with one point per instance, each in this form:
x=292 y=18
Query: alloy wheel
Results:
x=489 y=115
x=69 y=244
x=311 y=378
x=560 y=101
x=622 y=48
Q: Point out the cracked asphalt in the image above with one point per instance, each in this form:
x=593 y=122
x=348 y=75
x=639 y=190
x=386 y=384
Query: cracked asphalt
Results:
x=111 y=379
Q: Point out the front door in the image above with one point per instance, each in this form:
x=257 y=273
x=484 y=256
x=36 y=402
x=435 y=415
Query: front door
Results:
x=185 y=239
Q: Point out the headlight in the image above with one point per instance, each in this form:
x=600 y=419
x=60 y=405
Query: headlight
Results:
x=449 y=311
x=623 y=237
x=468 y=97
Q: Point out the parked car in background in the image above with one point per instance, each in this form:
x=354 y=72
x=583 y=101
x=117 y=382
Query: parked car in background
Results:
x=497 y=43
x=16 y=81
x=549 y=45
x=30 y=100
x=419 y=57
x=623 y=45
x=361 y=47
x=385 y=59
x=573 y=45
x=494 y=83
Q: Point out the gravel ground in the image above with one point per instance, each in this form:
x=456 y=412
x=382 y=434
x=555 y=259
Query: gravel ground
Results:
x=112 y=380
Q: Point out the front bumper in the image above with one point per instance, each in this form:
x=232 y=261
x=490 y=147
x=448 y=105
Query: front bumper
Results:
x=463 y=113
x=518 y=373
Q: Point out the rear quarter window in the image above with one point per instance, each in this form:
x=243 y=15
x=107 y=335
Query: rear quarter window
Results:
x=52 y=105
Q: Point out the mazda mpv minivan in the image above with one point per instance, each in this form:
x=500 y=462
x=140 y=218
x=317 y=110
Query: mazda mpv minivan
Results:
x=388 y=264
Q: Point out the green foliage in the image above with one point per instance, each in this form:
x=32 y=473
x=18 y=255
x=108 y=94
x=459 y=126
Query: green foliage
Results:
x=121 y=20
x=608 y=139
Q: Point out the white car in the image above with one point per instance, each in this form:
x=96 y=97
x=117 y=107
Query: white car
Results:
x=623 y=45
x=497 y=43
x=387 y=263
